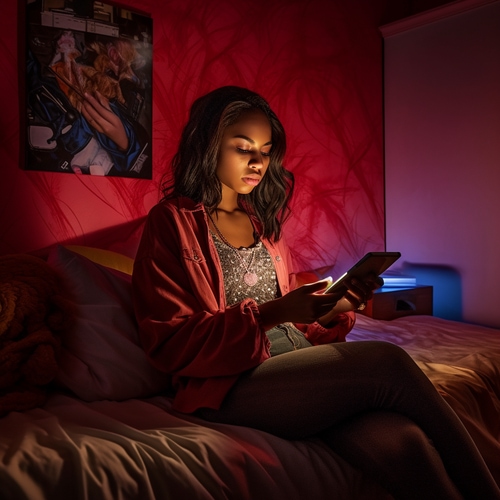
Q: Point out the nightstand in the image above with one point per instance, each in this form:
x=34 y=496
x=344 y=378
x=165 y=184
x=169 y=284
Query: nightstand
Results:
x=391 y=303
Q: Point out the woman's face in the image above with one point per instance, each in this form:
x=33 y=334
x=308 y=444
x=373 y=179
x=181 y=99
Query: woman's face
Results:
x=244 y=153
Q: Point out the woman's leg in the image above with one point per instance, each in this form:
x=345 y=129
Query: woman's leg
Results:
x=394 y=452
x=303 y=393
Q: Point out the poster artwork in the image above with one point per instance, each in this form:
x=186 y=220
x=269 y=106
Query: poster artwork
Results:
x=88 y=89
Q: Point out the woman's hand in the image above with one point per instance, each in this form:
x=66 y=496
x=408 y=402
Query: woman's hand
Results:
x=309 y=303
x=98 y=112
x=302 y=305
x=358 y=292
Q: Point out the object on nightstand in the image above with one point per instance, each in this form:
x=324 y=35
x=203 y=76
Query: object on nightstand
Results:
x=397 y=279
x=391 y=302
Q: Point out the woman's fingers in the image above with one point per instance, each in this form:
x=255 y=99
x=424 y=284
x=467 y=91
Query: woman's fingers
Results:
x=360 y=292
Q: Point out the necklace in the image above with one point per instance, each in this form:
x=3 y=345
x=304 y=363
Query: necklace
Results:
x=249 y=277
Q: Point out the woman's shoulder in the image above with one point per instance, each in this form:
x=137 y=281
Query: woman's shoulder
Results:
x=170 y=218
x=171 y=214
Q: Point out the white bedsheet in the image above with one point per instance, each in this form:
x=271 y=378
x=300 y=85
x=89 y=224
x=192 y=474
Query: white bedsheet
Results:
x=431 y=339
x=139 y=449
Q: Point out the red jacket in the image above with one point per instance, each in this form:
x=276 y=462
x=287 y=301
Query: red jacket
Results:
x=184 y=324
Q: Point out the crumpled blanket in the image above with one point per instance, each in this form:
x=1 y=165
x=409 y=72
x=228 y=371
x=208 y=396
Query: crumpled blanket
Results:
x=33 y=311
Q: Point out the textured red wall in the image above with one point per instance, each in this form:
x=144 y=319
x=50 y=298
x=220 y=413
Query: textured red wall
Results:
x=319 y=64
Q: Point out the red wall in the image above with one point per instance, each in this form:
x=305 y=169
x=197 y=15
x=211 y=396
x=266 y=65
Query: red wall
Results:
x=318 y=62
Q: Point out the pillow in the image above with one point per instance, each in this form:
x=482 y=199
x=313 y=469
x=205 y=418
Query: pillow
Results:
x=101 y=357
x=107 y=258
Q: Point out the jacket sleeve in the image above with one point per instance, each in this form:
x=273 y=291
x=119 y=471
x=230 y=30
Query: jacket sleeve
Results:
x=317 y=334
x=183 y=326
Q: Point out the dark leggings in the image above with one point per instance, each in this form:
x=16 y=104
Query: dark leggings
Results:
x=374 y=407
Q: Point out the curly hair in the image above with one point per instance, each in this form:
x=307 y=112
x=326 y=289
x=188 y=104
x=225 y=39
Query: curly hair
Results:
x=195 y=163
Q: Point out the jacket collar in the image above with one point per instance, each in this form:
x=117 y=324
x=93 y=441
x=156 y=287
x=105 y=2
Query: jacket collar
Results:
x=188 y=205
x=185 y=204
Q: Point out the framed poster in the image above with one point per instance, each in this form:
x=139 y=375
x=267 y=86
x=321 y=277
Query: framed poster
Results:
x=88 y=83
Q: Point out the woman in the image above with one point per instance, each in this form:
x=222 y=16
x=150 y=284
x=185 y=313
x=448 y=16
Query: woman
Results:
x=220 y=313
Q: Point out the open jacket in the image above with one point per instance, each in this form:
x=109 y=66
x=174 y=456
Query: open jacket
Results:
x=185 y=327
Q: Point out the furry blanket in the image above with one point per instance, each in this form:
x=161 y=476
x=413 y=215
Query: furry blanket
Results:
x=32 y=313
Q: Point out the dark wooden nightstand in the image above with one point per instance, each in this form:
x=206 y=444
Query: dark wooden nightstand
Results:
x=391 y=303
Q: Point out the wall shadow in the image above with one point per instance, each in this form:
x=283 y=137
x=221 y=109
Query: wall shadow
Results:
x=447 y=287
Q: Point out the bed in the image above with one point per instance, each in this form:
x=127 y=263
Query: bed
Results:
x=83 y=414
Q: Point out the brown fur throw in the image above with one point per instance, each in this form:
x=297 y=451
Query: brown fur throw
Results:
x=32 y=313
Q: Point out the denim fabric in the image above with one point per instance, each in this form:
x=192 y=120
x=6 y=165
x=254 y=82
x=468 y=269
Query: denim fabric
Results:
x=286 y=338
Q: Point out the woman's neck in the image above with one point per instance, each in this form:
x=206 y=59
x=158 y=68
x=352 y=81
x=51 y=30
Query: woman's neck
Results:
x=234 y=224
x=228 y=208
x=229 y=201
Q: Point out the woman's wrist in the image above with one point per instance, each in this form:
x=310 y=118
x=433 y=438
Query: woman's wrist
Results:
x=331 y=319
x=271 y=314
x=328 y=320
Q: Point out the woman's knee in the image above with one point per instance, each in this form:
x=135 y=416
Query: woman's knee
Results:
x=387 y=351
x=396 y=452
x=403 y=443
x=393 y=435
x=380 y=356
